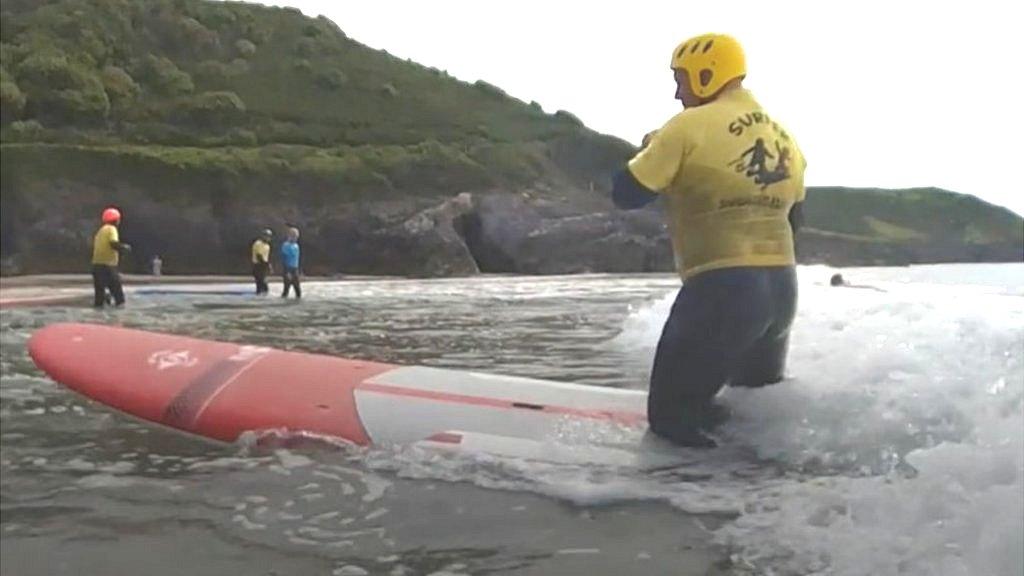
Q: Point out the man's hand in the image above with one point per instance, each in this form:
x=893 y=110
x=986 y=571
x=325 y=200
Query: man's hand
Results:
x=647 y=139
x=124 y=247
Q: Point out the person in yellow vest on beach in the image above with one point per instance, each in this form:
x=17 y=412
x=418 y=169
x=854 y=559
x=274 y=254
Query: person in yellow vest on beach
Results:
x=260 y=256
x=106 y=256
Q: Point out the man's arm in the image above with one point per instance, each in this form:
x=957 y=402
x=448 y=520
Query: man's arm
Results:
x=654 y=167
x=796 y=216
x=628 y=193
x=115 y=241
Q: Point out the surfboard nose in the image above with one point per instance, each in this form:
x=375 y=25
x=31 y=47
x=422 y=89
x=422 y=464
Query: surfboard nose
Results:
x=215 y=389
x=133 y=371
x=53 y=350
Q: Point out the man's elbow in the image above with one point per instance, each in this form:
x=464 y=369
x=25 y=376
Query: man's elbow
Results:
x=628 y=193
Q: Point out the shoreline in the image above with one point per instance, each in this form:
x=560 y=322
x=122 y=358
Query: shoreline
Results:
x=85 y=279
x=52 y=289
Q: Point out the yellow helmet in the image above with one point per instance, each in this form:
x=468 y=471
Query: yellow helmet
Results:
x=710 y=61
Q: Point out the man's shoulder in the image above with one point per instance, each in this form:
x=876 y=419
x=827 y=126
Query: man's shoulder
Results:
x=679 y=120
x=689 y=121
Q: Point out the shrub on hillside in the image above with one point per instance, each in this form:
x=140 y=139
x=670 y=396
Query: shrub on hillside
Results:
x=238 y=67
x=330 y=25
x=27 y=128
x=568 y=117
x=162 y=77
x=244 y=47
x=489 y=89
x=330 y=79
x=51 y=70
x=220 y=108
x=119 y=85
x=61 y=91
x=305 y=47
x=12 y=100
x=89 y=106
x=212 y=71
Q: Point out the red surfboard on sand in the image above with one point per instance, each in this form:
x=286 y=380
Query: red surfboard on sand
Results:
x=221 y=390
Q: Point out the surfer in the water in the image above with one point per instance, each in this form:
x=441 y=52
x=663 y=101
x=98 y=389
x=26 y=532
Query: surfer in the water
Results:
x=732 y=215
x=106 y=255
x=261 y=261
x=837 y=281
x=290 y=263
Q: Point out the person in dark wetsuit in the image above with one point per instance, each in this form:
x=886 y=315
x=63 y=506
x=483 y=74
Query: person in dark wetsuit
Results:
x=732 y=234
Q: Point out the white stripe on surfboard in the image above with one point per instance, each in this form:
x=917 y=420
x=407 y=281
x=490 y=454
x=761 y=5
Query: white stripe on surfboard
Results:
x=400 y=419
x=514 y=389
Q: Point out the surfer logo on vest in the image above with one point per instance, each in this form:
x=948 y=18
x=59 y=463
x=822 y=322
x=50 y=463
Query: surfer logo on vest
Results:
x=164 y=359
x=754 y=162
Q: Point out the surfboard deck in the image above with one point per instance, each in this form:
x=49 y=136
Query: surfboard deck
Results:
x=221 y=390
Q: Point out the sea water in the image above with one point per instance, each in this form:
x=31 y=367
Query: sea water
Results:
x=893 y=447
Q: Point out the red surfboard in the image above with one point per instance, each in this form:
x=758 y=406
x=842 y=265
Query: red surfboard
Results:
x=220 y=390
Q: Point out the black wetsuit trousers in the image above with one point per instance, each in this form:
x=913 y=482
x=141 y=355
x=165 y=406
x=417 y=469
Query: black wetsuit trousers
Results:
x=727 y=326
x=106 y=278
x=291 y=279
x=260 y=270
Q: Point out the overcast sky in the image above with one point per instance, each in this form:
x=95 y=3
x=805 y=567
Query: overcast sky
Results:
x=892 y=93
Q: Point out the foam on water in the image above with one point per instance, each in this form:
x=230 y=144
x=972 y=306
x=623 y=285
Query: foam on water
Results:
x=896 y=447
x=901 y=430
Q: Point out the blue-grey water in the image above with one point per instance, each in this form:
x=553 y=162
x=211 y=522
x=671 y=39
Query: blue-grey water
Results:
x=894 y=448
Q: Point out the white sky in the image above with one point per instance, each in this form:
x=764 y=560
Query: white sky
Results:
x=891 y=93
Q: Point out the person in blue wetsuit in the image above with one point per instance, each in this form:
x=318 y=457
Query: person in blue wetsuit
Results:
x=732 y=179
x=290 y=263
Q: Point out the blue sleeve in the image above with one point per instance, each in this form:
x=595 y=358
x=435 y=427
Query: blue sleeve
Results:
x=628 y=193
x=796 y=216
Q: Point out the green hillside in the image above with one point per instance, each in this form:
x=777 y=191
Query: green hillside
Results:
x=212 y=74
x=223 y=117
x=911 y=214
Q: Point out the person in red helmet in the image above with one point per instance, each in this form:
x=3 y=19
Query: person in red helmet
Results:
x=106 y=255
